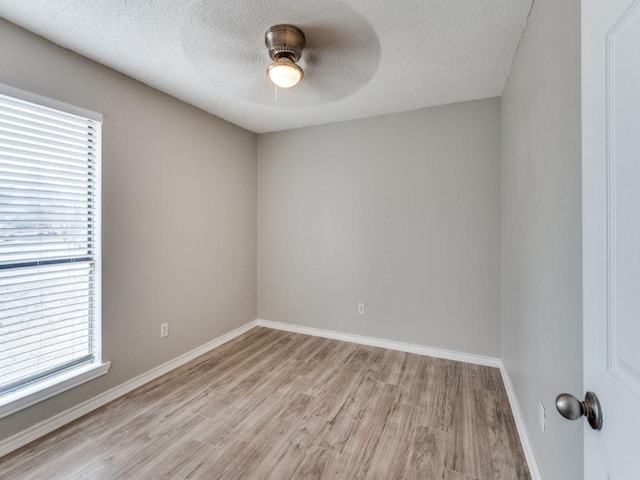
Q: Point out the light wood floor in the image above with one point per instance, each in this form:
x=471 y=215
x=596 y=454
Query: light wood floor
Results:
x=278 y=405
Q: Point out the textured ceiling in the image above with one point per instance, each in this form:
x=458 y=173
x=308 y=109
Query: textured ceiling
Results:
x=363 y=57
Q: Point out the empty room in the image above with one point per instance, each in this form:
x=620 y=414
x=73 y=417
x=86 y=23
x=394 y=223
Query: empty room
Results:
x=319 y=240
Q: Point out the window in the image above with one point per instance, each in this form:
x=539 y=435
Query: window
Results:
x=49 y=249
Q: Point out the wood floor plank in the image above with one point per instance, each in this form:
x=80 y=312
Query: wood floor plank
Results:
x=340 y=427
x=506 y=422
x=36 y=457
x=277 y=405
x=327 y=365
x=359 y=451
x=375 y=364
x=394 y=447
x=317 y=465
x=293 y=432
x=245 y=351
x=440 y=390
x=241 y=373
x=314 y=345
x=426 y=454
x=451 y=475
x=501 y=459
x=283 y=461
x=391 y=370
x=124 y=456
x=468 y=451
x=184 y=460
x=265 y=438
x=243 y=411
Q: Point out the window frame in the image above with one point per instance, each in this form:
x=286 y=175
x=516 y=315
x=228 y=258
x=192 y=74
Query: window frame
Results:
x=63 y=380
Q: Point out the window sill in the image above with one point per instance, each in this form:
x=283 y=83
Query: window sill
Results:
x=28 y=396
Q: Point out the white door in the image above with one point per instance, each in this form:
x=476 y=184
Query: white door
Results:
x=611 y=233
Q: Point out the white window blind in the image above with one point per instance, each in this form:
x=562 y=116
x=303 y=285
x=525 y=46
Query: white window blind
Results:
x=49 y=234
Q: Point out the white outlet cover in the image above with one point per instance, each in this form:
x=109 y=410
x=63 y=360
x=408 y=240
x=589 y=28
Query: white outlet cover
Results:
x=542 y=417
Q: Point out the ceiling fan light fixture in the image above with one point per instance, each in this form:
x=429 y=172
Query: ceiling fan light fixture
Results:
x=284 y=73
x=285 y=44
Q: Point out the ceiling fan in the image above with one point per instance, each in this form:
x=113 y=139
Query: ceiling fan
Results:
x=285 y=44
x=329 y=44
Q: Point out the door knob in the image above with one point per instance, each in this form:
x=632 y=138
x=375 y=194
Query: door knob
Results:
x=572 y=408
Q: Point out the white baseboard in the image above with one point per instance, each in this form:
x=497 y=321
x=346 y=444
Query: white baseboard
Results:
x=520 y=425
x=33 y=433
x=380 y=342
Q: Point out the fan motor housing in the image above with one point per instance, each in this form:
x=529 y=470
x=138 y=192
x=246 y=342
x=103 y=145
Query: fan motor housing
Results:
x=284 y=41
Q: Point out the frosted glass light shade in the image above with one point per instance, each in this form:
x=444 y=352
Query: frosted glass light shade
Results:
x=284 y=73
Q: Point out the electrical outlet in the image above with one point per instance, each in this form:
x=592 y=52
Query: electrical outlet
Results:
x=164 y=330
x=361 y=308
x=542 y=417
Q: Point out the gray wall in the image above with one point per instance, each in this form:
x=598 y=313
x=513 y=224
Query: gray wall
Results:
x=541 y=224
x=400 y=212
x=179 y=214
